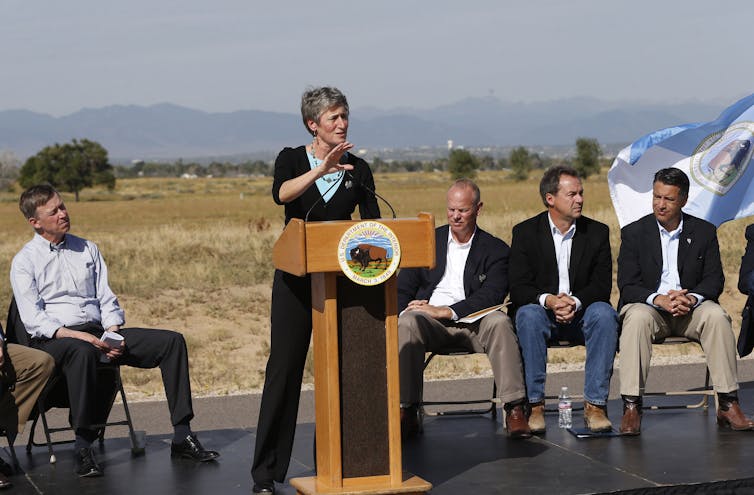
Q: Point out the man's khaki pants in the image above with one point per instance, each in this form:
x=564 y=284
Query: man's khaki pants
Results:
x=707 y=324
x=26 y=371
x=493 y=335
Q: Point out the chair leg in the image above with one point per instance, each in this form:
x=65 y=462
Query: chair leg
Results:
x=11 y=439
x=46 y=428
x=494 y=404
x=30 y=442
x=705 y=400
x=136 y=447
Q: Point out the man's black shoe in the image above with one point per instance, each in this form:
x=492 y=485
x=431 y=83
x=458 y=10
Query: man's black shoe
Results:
x=264 y=487
x=190 y=448
x=86 y=464
x=6 y=469
x=4 y=482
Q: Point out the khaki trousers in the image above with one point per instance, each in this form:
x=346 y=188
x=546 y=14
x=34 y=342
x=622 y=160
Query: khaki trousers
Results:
x=707 y=324
x=26 y=370
x=492 y=335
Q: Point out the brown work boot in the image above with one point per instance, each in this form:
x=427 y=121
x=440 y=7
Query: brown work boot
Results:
x=730 y=415
x=631 y=422
x=516 y=425
x=410 y=424
x=595 y=418
x=537 y=417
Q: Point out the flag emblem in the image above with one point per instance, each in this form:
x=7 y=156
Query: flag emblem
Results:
x=722 y=158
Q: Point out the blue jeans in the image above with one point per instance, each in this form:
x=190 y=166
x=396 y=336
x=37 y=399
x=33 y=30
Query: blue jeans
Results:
x=597 y=327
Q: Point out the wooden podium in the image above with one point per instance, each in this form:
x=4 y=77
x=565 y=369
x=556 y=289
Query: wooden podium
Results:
x=356 y=384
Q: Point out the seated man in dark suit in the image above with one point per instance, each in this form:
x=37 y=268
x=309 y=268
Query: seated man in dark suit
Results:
x=561 y=277
x=670 y=276
x=23 y=374
x=746 y=286
x=65 y=302
x=471 y=274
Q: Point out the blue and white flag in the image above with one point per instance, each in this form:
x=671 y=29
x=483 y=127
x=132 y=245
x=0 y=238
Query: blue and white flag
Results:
x=715 y=155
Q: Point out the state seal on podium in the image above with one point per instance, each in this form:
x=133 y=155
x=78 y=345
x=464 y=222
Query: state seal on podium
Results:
x=369 y=253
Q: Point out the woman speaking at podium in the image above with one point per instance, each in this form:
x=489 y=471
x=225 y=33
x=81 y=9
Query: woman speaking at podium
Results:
x=315 y=182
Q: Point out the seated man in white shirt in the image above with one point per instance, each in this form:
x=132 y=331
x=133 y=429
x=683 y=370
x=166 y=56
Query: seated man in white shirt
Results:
x=471 y=274
x=670 y=277
x=561 y=277
x=64 y=300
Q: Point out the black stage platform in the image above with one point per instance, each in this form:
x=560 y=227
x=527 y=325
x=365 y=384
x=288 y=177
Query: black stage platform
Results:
x=458 y=455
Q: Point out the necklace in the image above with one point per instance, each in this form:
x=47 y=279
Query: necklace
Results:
x=329 y=178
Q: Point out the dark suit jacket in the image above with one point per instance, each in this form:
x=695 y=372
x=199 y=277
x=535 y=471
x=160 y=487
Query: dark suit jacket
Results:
x=640 y=259
x=485 y=277
x=746 y=337
x=534 y=268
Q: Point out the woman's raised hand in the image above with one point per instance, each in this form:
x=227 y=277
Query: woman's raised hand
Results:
x=331 y=163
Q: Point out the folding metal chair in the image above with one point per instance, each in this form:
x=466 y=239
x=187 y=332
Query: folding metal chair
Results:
x=704 y=392
x=491 y=403
x=55 y=394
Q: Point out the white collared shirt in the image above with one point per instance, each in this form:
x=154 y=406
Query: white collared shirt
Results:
x=62 y=285
x=562 y=243
x=670 y=279
x=450 y=289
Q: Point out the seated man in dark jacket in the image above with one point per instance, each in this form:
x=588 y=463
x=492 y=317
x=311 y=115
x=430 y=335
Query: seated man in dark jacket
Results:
x=746 y=286
x=670 y=276
x=471 y=274
x=561 y=276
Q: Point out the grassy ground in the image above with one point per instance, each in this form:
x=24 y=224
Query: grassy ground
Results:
x=194 y=255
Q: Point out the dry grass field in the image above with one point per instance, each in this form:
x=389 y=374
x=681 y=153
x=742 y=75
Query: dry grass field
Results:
x=194 y=255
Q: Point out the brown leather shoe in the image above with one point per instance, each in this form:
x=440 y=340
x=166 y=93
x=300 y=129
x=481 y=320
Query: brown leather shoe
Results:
x=537 y=418
x=730 y=415
x=516 y=425
x=410 y=425
x=595 y=418
x=631 y=422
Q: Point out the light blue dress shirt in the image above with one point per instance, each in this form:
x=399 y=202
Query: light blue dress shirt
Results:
x=62 y=285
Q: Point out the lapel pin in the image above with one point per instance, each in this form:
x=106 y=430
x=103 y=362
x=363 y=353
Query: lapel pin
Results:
x=482 y=277
x=688 y=240
x=348 y=184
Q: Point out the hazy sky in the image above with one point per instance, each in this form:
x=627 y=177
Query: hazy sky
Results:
x=60 y=56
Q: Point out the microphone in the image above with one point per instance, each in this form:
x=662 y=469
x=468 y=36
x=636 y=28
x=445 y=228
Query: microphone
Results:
x=320 y=199
x=374 y=193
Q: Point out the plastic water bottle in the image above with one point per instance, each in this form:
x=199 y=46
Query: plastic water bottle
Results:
x=564 y=409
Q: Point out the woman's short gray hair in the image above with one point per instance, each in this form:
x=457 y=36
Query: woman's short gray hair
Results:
x=315 y=101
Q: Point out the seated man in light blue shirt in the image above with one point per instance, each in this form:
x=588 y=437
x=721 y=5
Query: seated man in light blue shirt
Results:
x=64 y=300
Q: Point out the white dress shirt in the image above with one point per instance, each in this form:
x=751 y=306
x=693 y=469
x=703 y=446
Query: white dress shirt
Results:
x=670 y=278
x=62 y=285
x=563 y=243
x=450 y=289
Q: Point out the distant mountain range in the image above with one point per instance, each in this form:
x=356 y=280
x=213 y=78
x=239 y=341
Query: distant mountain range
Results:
x=167 y=131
